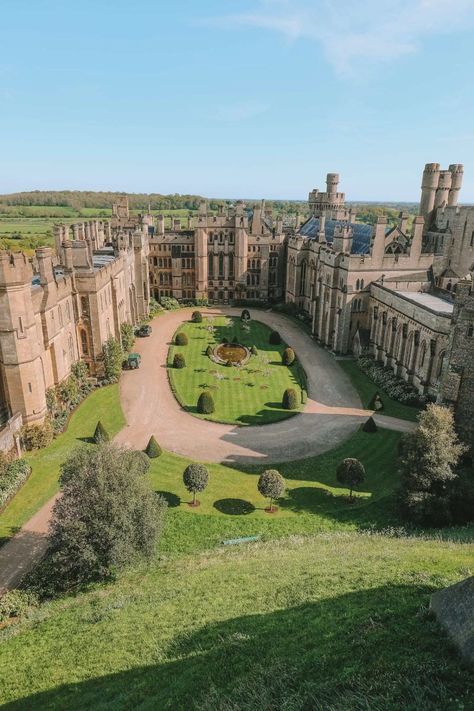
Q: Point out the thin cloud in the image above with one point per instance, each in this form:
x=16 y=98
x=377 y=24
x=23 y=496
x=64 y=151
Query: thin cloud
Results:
x=348 y=32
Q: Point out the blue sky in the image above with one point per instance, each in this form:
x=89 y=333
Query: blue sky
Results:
x=235 y=98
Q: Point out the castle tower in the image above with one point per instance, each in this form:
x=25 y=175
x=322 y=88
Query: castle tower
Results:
x=24 y=381
x=457 y=174
x=444 y=187
x=200 y=247
x=429 y=185
x=332 y=181
x=241 y=243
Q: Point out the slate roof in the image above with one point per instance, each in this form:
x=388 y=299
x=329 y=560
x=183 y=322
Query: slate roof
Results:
x=361 y=233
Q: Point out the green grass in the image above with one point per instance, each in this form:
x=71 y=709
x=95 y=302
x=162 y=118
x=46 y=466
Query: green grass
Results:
x=367 y=389
x=244 y=396
x=103 y=404
x=331 y=622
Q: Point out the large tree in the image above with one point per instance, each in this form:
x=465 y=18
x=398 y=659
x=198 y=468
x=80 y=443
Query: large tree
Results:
x=106 y=517
x=428 y=460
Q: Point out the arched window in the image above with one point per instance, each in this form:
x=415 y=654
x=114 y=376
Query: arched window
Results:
x=303 y=278
x=470 y=331
x=423 y=354
x=211 y=263
x=84 y=343
x=221 y=263
x=248 y=279
x=361 y=283
x=231 y=264
x=71 y=348
x=439 y=369
x=357 y=285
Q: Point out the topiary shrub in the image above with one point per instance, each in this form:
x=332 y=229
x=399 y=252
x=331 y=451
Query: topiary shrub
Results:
x=197 y=317
x=229 y=364
x=209 y=351
x=350 y=472
x=254 y=350
x=275 y=338
x=272 y=485
x=181 y=339
x=369 y=425
x=153 y=449
x=195 y=478
x=179 y=360
x=376 y=402
x=290 y=399
x=225 y=340
x=288 y=356
x=205 y=403
x=101 y=434
x=245 y=315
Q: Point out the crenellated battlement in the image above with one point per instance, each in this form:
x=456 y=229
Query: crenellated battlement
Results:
x=15 y=269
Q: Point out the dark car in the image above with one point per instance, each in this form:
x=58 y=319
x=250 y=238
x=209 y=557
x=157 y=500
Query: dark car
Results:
x=144 y=331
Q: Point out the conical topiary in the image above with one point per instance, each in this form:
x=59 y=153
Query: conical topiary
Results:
x=369 y=425
x=101 y=434
x=205 y=403
x=290 y=399
x=153 y=449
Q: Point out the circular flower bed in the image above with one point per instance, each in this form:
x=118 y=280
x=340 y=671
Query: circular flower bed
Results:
x=233 y=353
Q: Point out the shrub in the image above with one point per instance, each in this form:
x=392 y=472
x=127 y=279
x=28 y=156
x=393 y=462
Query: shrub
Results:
x=288 y=357
x=428 y=460
x=275 y=338
x=394 y=387
x=37 y=436
x=225 y=340
x=369 y=425
x=169 y=303
x=113 y=359
x=13 y=476
x=245 y=315
x=350 y=472
x=376 y=402
x=254 y=350
x=127 y=337
x=209 y=351
x=107 y=516
x=272 y=485
x=290 y=399
x=16 y=603
x=195 y=478
x=100 y=434
x=197 y=317
x=153 y=449
x=179 y=360
x=229 y=364
x=181 y=339
x=205 y=403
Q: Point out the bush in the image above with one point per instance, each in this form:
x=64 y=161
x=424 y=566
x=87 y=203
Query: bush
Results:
x=272 y=485
x=107 y=517
x=288 y=357
x=376 y=402
x=209 y=351
x=37 y=436
x=275 y=338
x=254 y=350
x=181 y=339
x=290 y=399
x=197 y=317
x=179 y=360
x=225 y=340
x=195 y=478
x=100 y=434
x=113 y=359
x=13 y=476
x=350 y=472
x=205 y=403
x=229 y=364
x=153 y=449
x=245 y=315
x=127 y=337
x=169 y=303
x=16 y=603
x=369 y=425
x=393 y=385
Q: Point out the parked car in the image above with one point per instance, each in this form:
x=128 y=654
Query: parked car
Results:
x=144 y=331
x=132 y=362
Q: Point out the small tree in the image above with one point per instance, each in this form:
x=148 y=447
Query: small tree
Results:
x=197 y=317
x=350 y=472
x=113 y=358
x=181 y=339
x=288 y=357
x=153 y=449
x=205 y=403
x=290 y=399
x=272 y=485
x=179 y=360
x=428 y=460
x=195 y=479
x=100 y=434
x=127 y=337
x=369 y=425
x=275 y=338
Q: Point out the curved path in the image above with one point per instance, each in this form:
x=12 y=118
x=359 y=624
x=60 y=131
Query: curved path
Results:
x=332 y=412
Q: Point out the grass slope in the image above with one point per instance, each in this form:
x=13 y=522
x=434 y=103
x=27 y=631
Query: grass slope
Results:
x=331 y=623
x=103 y=404
x=244 y=396
x=367 y=389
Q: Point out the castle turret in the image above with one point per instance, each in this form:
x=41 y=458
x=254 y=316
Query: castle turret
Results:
x=429 y=186
x=444 y=187
x=332 y=181
x=457 y=174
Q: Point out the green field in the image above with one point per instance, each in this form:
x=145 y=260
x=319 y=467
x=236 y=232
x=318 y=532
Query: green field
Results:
x=103 y=404
x=248 y=395
x=367 y=389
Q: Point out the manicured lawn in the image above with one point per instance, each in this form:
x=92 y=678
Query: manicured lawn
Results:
x=248 y=395
x=367 y=389
x=103 y=404
x=328 y=622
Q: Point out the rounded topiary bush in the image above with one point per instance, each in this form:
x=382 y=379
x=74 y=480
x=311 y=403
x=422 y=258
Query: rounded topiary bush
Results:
x=209 y=351
x=197 y=317
x=181 y=339
x=245 y=315
x=101 y=434
x=376 y=402
x=254 y=350
x=179 y=361
x=288 y=357
x=290 y=399
x=275 y=338
x=229 y=364
x=369 y=425
x=272 y=485
x=205 y=403
x=195 y=478
x=153 y=449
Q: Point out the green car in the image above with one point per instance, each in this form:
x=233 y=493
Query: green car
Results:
x=133 y=361
x=144 y=331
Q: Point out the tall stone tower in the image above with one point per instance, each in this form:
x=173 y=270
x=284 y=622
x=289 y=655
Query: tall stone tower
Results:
x=201 y=252
x=241 y=243
x=457 y=174
x=429 y=186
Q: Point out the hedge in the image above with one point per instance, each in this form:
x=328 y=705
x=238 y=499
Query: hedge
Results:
x=12 y=478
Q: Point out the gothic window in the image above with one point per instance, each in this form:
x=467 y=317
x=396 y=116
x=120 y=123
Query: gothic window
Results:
x=439 y=370
x=84 y=344
x=71 y=348
x=357 y=285
x=423 y=355
x=211 y=264
x=248 y=279
x=221 y=263
x=470 y=331
x=231 y=264
x=361 y=283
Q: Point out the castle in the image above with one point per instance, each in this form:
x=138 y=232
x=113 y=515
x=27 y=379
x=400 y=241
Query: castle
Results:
x=402 y=295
